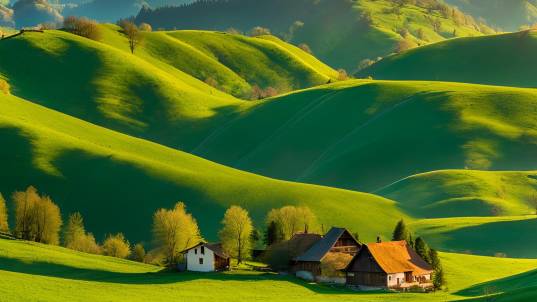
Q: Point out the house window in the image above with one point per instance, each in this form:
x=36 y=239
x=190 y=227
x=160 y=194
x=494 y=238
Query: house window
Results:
x=203 y=250
x=201 y=260
x=389 y=278
x=195 y=251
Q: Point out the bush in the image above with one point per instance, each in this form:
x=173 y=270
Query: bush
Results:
x=4 y=227
x=138 y=253
x=145 y=27
x=83 y=27
x=76 y=238
x=259 y=31
x=4 y=87
x=117 y=246
x=333 y=263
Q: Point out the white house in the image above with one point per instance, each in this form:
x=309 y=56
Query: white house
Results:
x=206 y=257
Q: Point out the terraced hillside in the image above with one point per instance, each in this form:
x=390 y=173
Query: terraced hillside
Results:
x=368 y=134
x=340 y=32
x=507 y=59
x=82 y=275
x=151 y=95
x=103 y=174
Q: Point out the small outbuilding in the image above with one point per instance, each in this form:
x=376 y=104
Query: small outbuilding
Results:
x=393 y=265
x=206 y=257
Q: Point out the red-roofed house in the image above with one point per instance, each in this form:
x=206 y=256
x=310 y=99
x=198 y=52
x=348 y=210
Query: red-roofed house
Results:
x=388 y=265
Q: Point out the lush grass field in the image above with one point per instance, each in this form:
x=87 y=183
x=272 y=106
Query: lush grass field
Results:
x=454 y=193
x=368 y=134
x=103 y=174
x=36 y=272
x=507 y=59
x=235 y=62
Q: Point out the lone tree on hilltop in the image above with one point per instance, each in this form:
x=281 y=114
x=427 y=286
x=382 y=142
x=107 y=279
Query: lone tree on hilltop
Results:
x=133 y=34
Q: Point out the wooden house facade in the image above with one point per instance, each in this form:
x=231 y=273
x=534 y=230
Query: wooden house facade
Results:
x=388 y=265
x=336 y=240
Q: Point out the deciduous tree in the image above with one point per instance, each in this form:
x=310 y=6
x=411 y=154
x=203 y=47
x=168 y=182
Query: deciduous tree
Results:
x=117 y=246
x=236 y=231
x=4 y=227
x=76 y=238
x=174 y=231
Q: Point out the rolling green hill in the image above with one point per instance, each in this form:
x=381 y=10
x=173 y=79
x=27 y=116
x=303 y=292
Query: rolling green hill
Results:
x=368 y=134
x=85 y=277
x=507 y=59
x=466 y=193
x=340 y=32
x=234 y=61
x=103 y=174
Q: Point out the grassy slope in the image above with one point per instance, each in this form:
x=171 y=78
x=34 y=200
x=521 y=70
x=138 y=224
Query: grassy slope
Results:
x=378 y=138
x=82 y=276
x=103 y=173
x=333 y=29
x=455 y=193
x=152 y=95
x=109 y=87
x=507 y=59
x=236 y=62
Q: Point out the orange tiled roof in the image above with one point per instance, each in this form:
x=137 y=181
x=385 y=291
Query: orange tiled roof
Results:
x=398 y=257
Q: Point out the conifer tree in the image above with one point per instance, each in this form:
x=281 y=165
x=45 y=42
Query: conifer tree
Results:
x=401 y=232
x=422 y=249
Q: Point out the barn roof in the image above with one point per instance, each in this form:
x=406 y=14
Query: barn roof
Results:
x=398 y=257
x=320 y=248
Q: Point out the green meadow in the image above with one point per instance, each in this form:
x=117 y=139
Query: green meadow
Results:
x=32 y=271
x=116 y=136
x=504 y=59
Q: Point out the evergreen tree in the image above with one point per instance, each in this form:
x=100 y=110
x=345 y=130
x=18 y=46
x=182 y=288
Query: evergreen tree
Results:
x=438 y=276
x=422 y=249
x=272 y=234
x=401 y=232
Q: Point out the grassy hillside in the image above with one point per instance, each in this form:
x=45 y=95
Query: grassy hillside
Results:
x=152 y=94
x=235 y=62
x=340 y=32
x=507 y=59
x=501 y=236
x=508 y=15
x=368 y=134
x=103 y=174
x=466 y=193
x=99 y=278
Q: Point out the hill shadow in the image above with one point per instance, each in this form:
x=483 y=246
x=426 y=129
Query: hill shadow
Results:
x=492 y=238
x=503 y=285
x=48 y=269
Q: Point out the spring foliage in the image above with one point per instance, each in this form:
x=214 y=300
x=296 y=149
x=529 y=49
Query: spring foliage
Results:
x=37 y=218
x=4 y=227
x=236 y=233
x=76 y=238
x=174 y=231
x=117 y=246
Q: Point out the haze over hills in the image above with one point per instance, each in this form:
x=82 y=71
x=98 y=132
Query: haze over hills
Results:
x=506 y=59
x=337 y=31
x=508 y=15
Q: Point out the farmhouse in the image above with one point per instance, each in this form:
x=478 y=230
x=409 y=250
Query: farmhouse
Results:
x=388 y=265
x=206 y=257
x=337 y=240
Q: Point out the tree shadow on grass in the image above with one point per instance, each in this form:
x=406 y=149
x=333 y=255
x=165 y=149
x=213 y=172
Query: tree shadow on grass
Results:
x=48 y=269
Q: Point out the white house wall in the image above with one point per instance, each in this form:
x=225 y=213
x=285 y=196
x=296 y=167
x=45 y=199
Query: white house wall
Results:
x=392 y=279
x=193 y=260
